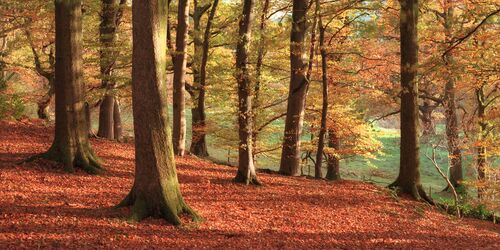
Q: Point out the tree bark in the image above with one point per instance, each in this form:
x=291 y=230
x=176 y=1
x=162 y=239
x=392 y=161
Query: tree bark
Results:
x=246 y=168
x=290 y=156
x=198 y=141
x=333 y=167
x=324 y=110
x=111 y=12
x=481 y=148
x=179 y=101
x=117 y=122
x=258 y=72
x=71 y=145
x=426 y=110
x=452 y=131
x=408 y=180
x=155 y=191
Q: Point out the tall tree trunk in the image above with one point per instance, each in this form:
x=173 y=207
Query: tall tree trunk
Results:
x=71 y=145
x=324 y=110
x=408 y=180
x=290 y=156
x=179 y=101
x=198 y=141
x=156 y=189
x=111 y=11
x=333 y=167
x=258 y=72
x=481 y=148
x=246 y=168
x=452 y=133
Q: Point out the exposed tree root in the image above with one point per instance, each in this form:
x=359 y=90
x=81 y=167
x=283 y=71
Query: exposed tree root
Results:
x=415 y=191
x=250 y=179
x=84 y=158
x=143 y=207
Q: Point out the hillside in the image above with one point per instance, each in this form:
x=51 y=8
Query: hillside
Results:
x=42 y=206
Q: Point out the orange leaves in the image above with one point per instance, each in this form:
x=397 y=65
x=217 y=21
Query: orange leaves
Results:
x=43 y=207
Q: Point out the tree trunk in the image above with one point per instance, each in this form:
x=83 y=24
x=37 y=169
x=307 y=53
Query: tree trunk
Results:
x=71 y=145
x=324 y=110
x=106 y=121
x=408 y=180
x=44 y=103
x=290 y=156
x=481 y=148
x=156 y=189
x=198 y=141
x=258 y=72
x=246 y=168
x=428 y=123
x=110 y=18
x=117 y=121
x=452 y=133
x=179 y=102
x=333 y=167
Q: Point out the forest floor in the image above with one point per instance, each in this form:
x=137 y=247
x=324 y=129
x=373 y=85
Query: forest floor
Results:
x=43 y=207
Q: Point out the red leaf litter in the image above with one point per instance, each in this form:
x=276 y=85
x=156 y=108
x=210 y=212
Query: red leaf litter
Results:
x=43 y=207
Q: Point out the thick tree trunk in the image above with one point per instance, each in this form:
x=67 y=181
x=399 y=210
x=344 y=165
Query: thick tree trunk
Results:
x=179 y=101
x=156 y=189
x=290 y=156
x=110 y=18
x=452 y=133
x=71 y=145
x=408 y=180
x=333 y=167
x=324 y=110
x=246 y=168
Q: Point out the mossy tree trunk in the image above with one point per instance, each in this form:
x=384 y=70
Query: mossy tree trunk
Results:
x=179 y=100
x=290 y=155
x=111 y=13
x=71 y=144
x=246 y=168
x=155 y=191
x=408 y=180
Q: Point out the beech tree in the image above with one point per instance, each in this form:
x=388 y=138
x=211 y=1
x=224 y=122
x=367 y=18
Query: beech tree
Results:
x=71 y=145
x=290 y=155
x=408 y=180
x=179 y=100
x=155 y=191
x=246 y=168
x=198 y=89
x=111 y=13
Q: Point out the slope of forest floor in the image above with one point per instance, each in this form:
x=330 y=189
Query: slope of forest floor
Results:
x=42 y=206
